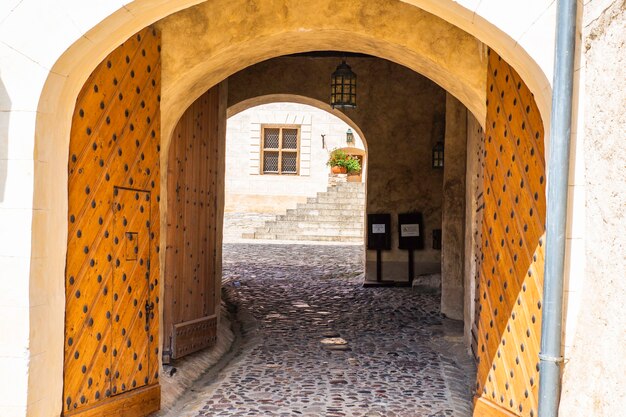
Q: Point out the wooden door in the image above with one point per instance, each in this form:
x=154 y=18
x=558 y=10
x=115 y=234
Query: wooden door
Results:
x=511 y=260
x=110 y=363
x=132 y=308
x=193 y=249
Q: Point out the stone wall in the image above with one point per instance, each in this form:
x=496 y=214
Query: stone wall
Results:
x=593 y=377
x=453 y=216
x=473 y=222
x=401 y=115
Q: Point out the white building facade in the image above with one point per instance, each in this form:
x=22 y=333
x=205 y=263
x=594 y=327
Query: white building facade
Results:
x=251 y=185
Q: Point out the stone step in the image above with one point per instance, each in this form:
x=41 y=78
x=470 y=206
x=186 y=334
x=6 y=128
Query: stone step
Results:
x=267 y=236
x=271 y=236
x=301 y=228
x=294 y=225
x=323 y=238
x=319 y=218
x=312 y=232
x=347 y=185
x=336 y=216
x=347 y=193
x=329 y=205
x=326 y=210
x=341 y=193
x=329 y=198
x=344 y=189
x=320 y=238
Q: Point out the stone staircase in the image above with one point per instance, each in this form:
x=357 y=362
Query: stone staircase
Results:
x=335 y=215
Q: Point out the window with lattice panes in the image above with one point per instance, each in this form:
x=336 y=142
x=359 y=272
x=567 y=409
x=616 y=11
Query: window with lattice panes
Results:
x=280 y=149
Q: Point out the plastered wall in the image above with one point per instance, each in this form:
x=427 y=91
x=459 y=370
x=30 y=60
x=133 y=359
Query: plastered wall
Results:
x=595 y=329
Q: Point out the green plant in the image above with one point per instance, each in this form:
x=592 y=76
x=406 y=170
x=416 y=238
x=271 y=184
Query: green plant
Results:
x=337 y=158
x=352 y=165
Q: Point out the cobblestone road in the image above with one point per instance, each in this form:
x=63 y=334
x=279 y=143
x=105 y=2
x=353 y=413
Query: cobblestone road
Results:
x=398 y=358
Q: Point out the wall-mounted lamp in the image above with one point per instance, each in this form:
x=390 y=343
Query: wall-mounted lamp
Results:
x=438 y=155
x=323 y=141
x=343 y=87
x=350 y=137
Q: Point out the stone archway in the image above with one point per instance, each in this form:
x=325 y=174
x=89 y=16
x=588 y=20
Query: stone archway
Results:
x=266 y=41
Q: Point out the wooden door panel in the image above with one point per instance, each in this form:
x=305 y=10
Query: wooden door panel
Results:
x=131 y=280
x=510 y=282
x=114 y=143
x=191 y=254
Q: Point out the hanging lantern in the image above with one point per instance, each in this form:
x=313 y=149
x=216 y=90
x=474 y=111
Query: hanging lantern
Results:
x=343 y=87
x=350 y=137
x=438 y=155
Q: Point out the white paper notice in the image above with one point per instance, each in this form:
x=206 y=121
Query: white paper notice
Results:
x=410 y=230
x=378 y=228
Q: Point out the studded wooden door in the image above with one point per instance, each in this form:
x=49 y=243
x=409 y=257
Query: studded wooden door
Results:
x=111 y=357
x=132 y=307
x=511 y=266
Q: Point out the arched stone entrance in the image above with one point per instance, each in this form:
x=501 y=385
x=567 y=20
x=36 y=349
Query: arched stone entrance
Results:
x=235 y=48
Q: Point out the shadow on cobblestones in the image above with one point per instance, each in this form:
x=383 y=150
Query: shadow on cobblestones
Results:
x=392 y=354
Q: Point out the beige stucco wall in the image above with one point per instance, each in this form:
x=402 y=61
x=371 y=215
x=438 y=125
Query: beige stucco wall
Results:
x=47 y=50
x=385 y=29
x=247 y=190
x=594 y=343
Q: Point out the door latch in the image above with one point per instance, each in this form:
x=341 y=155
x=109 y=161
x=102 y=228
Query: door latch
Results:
x=149 y=312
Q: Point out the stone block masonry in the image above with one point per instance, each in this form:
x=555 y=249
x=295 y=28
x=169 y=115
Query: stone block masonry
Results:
x=335 y=215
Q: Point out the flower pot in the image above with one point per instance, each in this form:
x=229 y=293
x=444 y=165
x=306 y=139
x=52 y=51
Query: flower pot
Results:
x=338 y=170
x=354 y=177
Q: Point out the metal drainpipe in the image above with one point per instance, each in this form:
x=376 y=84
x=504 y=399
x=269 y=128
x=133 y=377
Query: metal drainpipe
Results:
x=550 y=356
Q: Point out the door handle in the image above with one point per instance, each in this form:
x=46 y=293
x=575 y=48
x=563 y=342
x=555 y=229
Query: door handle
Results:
x=149 y=312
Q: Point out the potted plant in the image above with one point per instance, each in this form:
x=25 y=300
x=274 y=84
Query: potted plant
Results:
x=341 y=163
x=337 y=161
x=353 y=166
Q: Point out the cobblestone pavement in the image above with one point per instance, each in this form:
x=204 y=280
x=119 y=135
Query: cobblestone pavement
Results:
x=400 y=357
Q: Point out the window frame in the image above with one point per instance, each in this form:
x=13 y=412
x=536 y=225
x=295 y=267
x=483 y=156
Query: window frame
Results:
x=280 y=149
